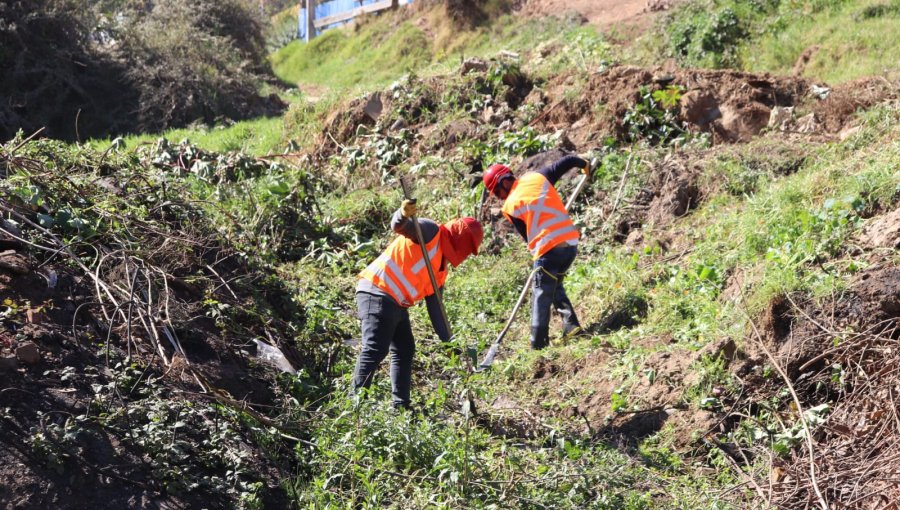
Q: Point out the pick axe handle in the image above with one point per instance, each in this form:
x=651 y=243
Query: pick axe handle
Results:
x=434 y=285
x=421 y=239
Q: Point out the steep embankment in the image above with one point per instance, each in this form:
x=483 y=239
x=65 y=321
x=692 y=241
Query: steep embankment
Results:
x=737 y=279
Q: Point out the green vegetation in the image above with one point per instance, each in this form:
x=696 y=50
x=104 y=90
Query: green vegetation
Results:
x=81 y=71
x=257 y=137
x=339 y=59
x=382 y=49
x=847 y=41
x=254 y=247
x=839 y=40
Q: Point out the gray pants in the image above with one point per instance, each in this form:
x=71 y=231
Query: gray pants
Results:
x=548 y=291
x=385 y=328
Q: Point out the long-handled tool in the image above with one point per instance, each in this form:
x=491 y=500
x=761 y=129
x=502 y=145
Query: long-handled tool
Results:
x=437 y=291
x=492 y=352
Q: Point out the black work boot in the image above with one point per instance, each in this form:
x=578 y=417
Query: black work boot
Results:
x=539 y=336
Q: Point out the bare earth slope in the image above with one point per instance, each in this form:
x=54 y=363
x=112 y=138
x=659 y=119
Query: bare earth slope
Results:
x=603 y=13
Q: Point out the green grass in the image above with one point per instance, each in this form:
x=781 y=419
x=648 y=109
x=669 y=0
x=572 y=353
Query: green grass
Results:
x=856 y=39
x=847 y=39
x=341 y=59
x=382 y=49
x=257 y=137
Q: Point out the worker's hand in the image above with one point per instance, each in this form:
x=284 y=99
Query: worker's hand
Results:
x=586 y=169
x=408 y=208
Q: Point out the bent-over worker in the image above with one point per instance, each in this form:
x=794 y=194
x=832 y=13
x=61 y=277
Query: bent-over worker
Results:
x=398 y=279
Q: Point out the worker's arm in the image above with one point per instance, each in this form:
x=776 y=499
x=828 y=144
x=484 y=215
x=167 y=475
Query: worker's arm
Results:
x=437 y=320
x=404 y=226
x=555 y=171
x=520 y=227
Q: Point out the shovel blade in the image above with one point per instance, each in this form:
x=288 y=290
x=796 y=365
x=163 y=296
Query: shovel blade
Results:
x=488 y=358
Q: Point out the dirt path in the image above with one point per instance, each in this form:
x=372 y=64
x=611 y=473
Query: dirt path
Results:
x=603 y=13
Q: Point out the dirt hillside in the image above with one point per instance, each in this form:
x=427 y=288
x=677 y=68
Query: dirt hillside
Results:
x=602 y=13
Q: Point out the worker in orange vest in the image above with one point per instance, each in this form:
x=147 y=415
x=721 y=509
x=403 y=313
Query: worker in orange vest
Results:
x=534 y=207
x=397 y=280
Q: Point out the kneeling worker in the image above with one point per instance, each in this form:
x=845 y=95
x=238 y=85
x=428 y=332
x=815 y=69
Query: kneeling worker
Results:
x=398 y=279
x=536 y=210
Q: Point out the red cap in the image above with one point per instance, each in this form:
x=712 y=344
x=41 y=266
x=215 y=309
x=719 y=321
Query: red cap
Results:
x=494 y=175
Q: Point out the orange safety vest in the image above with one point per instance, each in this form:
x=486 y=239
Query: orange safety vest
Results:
x=536 y=202
x=400 y=270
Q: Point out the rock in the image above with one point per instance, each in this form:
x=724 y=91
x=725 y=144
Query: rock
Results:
x=473 y=65
x=8 y=362
x=820 y=92
x=28 y=353
x=780 y=117
x=374 y=106
x=398 y=125
x=808 y=124
x=883 y=231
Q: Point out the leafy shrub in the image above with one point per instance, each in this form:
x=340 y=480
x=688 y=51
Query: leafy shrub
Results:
x=655 y=117
x=199 y=59
x=52 y=76
x=706 y=37
x=145 y=67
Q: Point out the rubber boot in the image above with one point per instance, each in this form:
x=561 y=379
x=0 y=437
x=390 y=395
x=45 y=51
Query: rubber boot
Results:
x=539 y=337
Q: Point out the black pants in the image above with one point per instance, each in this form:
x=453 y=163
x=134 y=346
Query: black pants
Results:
x=548 y=291
x=385 y=328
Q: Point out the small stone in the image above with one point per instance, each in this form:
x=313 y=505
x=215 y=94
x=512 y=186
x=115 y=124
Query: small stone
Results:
x=808 y=124
x=398 y=125
x=374 y=106
x=781 y=117
x=28 y=353
x=473 y=65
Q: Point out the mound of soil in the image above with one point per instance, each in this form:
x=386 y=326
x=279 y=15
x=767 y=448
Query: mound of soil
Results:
x=671 y=191
x=118 y=386
x=732 y=106
x=846 y=99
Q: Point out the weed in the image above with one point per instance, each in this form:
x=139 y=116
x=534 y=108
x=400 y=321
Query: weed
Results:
x=655 y=117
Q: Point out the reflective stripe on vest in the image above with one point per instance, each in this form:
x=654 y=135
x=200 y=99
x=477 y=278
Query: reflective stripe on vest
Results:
x=410 y=285
x=537 y=203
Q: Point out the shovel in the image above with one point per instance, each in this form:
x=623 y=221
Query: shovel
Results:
x=488 y=359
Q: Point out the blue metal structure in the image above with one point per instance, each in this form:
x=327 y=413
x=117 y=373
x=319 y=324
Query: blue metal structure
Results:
x=331 y=8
